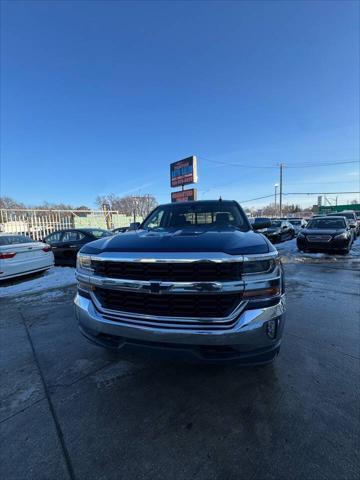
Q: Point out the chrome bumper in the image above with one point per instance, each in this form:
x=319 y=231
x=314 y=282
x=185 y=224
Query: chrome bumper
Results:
x=248 y=332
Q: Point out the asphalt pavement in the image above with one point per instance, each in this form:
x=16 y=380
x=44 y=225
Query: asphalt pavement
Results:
x=70 y=410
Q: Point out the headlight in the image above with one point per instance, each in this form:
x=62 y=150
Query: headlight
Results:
x=83 y=262
x=342 y=236
x=259 y=266
x=301 y=235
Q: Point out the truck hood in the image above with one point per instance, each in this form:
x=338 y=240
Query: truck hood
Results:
x=230 y=241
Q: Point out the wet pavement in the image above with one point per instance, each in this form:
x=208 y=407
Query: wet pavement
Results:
x=70 y=410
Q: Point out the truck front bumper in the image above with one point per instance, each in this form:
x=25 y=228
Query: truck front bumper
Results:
x=247 y=342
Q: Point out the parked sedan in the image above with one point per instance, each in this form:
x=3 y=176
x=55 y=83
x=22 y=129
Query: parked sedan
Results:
x=298 y=224
x=260 y=221
x=20 y=255
x=326 y=234
x=65 y=244
x=279 y=231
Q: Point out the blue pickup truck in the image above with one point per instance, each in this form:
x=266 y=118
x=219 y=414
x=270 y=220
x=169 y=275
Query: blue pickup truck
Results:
x=194 y=281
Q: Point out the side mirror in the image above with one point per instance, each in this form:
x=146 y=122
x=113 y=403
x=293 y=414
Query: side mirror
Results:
x=134 y=225
x=261 y=225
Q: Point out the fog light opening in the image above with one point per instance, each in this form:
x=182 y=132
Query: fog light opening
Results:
x=271 y=328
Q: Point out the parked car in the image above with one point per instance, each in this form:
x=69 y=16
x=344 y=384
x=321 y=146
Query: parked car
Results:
x=194 y=280
x=279 y=231
x=326 y=234
x=358 y=219
x=20 y=255
x=259 y=221
x=65 y=244
x=350 y=215
x=298 y=224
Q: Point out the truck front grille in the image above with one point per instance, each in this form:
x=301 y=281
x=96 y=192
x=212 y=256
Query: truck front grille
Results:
x=178 y=305
x=179 y=272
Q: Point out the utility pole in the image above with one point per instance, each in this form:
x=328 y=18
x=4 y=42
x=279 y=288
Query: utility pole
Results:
x=281 y=188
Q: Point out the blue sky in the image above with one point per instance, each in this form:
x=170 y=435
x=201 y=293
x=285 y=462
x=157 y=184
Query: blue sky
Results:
x=100 y=96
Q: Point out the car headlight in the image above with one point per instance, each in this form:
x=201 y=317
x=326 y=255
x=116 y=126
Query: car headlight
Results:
x=83 y=262
x=259 y=266
x=301 y=235
x=341 y=236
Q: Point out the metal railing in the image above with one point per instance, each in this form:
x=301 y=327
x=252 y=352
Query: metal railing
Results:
x=39 y=223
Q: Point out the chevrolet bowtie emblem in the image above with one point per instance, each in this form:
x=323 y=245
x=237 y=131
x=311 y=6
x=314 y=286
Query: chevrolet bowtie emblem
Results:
x=155 y=287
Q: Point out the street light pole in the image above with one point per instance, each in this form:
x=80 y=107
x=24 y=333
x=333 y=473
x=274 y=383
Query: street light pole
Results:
x=276 y=186
x=281 y=188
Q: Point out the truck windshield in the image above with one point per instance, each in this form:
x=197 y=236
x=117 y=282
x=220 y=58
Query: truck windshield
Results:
x=207 y=215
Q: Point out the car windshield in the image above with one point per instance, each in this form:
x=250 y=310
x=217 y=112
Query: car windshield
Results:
x=327 y=223
x=276 y=223
x=14 y=239
x=97 y=233
x=295 y=222
x=207 y=215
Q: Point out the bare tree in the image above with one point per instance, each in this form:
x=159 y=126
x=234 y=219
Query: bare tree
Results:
x=271 y=211
x=10 y=203
x=138 y=206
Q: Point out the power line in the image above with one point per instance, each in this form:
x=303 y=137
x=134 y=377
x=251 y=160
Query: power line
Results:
x=315 y=165
x=299 y=193
x=320 y=193
x=292 y=165
x=231 y=164
x=258 y=198
x=322 y=183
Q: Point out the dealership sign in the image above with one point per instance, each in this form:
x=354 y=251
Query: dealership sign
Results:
x=183 y=172
x=184 y=195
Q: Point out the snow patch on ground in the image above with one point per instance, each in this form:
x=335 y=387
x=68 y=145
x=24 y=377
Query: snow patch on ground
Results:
x=56 y=277
x=48 y=296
